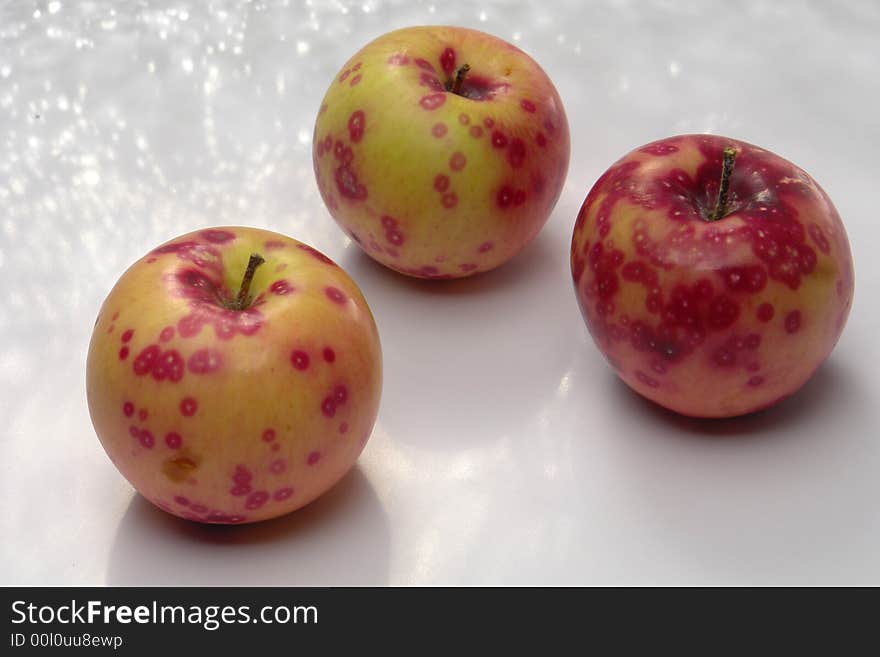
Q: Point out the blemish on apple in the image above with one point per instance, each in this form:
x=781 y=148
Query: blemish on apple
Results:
x=179 y=468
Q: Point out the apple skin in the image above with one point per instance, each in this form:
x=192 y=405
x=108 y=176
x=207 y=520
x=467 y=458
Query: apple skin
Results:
x=233 y=416
x=711 y=319
x=431 y=183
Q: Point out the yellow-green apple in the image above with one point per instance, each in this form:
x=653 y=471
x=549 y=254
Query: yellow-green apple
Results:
x=233 y=375
x=714 y=276
x=441 y=151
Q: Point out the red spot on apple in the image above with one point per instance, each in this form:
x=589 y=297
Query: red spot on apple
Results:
x=328 y=407
x=755 y=381
x=299 y=359
x=278 y=466
x=340 y=394
x=348 y=185
x=335 y=295
x=282 y=493
x=468 y=266
x=819 y=238
x=660 y=148
x=189 y=326
x=424 y=64
x=457 y=161
x=281 y=287
x=430 y=80
x=441 y=182
x=256 y=500
x=146 y=439
x=499 y=140
x=344 y=76
x=241 y=475
x=205 y=361
x=488 y=122
x=268 y=435
x=398 y=59
x=169 y=365
x=218 y=236
x=355 y=80
x=476 y=132
x=505 y=196
x=126 y=335
x=723 y=312
x=317 y=255
x=516 y=154
x=188 y=406
x=464 y=119
x=313 y=458
x=485 y=247
x=128 y=409
x=356 y=125
x=447 y=61
x=765 y=312
x=647 y=380
x=173 y=440
x=142 y=414
x=123 y=352
x=747 y=279
x=439 y=130
x=343 y=428
x=329 y=354
x=449 y=200
x=541 y=140
x=432 y=101
x=793 y=321
x=144 y=361
x=724 y=356
x=181 y=500
x=166 y=334
x=274 y=245
x=528 y=105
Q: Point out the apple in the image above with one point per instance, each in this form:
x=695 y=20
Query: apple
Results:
x=233 y=375
x=713 y=275
x=441 y=151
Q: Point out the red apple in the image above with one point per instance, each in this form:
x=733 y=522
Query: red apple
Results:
x=441 y=150
x=714 y=276
x=233 y=375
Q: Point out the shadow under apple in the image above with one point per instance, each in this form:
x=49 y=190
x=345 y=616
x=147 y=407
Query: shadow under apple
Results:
x=340 y=539
x=782 y=496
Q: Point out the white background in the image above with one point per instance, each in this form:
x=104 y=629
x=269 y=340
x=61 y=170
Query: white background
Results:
x=506 y=451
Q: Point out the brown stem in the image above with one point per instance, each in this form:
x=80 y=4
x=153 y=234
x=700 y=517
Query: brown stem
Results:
x=459 y=79
x=720 y=209
x=241 y=302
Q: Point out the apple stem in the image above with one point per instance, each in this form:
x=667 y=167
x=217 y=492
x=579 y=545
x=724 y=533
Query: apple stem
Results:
x=459 y=79
x=241 y=302
x=726 y=169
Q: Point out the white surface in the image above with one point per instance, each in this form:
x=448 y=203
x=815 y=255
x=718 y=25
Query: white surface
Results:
x=506 y=451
